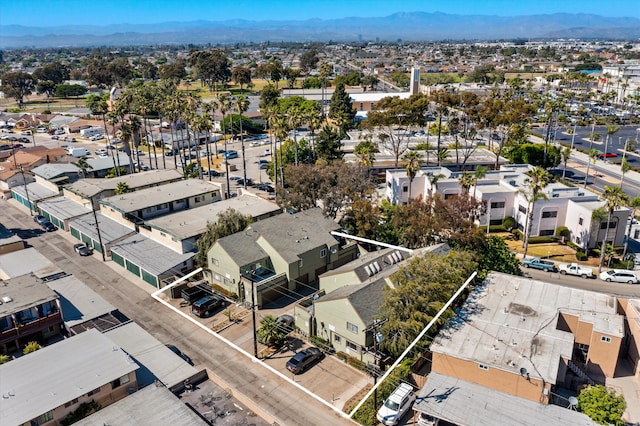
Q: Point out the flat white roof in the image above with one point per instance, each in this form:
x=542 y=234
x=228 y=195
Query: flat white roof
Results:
x=26 y=261
x=35 y=190
x=469 y=404
x=376 y=96
x=52 y=376
x=509 y=323
x=150 y=255
x=158 y=361
x=63 y=208
x=77 y=301
x=25 y=292
x=166 y=193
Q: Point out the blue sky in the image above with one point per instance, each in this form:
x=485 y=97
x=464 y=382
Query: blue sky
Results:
x=104 y=12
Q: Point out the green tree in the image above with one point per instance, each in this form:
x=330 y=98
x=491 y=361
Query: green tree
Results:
x=308 y=60
x=211 y=66
x=122 y=188
x=328 y=145
x=70 y=90
x=613 y=198
x=421 y=287
x=241 y=75
x=366 y=152
x=466 y=180
x=97 y=71
x=566 y=153
x=83 y=165
x=341 y=109
x=412 y=163
x=624 y=168
x=269 y=96
x=593 y=154
x=17 y=85
x=602 y=405
x=31 y=347
x=229 y=222
x=174 y=71
x=496 y=256
x=270 y=332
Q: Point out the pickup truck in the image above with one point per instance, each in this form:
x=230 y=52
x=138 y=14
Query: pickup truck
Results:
x=575 y=269
x=537 y=263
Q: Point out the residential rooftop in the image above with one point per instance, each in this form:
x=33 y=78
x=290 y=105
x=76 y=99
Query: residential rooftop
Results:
x=151 y=256
x=193 y=222
x=35 y=191
x=64 y=208
x=53 y=170
x=168 y=193
x=110 y=230
x=90 y=187
x=509 y=323
x=23 y=292
x=26 y=261
x=54 y=375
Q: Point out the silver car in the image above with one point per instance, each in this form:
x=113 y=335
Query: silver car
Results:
x=619 y=276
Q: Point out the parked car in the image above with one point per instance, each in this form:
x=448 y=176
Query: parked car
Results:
x=619 y=276
x=230 y=154
x=267 y=152
x=214 y=173
x=142 y=167
x=23 y=140
x=26 y=132
x=608 y=155
x=100 y=151
x=266 y=187
x=537 y=263
x=69 y=139
x=82 y=249
x=425 y=419
x=193 y=294
x=96 y=137
x=180 y=354
x=44 y=223
x=575 y=269
x=241 y=182
x=41 y=130
x=255 y=143
x=55 y=137
x=285 y=321
x=304 y=359
x=396 y=405
x=205 y=306
x=58 y=132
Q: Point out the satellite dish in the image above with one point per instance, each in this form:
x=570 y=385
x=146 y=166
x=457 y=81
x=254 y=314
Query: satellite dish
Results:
x=523 y=371
x=573 y=402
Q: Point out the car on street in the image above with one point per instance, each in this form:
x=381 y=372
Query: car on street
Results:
x=205 y=306
x=608 y=155
x=214 y=173
x=142 y=167
x=58 y=132
x=241 y=182
x=304 y=359
x=55 y=137
x=96 y=137
x=619 y=276
x=26 y=132
x=267 y=152
x=82 y=249
x=396 y=405
x=266 y=187
x=41 y=130
x=181 y=354
x=44 y=223
x=100 y=151
x=69 y=139
x=255 y=143
x=23 y=140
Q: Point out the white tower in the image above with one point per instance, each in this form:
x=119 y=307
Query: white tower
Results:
x=414 y=85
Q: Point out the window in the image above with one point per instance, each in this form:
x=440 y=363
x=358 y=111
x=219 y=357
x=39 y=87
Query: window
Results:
x=405 y=189
x=70 y=403
x=546 y=232
x=352 y=346
x=449 y=196
x=120 y=381
x=605 y=339
x=497 y=205
x=361 y=106
x=337 y=338
x=197 y=199
x=352 y=328
x=522 y=209
x=549 y=214
x=323 y=253
x=388 y=184
x=300 y=263
x=580 y=221
x=5 y=324
x=93 y=392
x=215 y=261
x=612 y=225
x=42 y=419
x=483 y=367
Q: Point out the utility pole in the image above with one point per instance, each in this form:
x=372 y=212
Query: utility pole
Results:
x=95 y=218
x=25 y=189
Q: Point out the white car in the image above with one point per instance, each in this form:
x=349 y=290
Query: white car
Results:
x=255 y=143
x=398 y=403
x=96 y=137
x=101 y=151
x=619 y=276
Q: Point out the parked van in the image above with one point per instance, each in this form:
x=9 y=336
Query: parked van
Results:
x=78 y=152
x=91 y=131
x=398 y=403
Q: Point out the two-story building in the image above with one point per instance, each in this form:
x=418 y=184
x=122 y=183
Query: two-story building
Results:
x=30 y=311
x=277 y=255
x=44 y=386
x=504 y=192
x=521 y=343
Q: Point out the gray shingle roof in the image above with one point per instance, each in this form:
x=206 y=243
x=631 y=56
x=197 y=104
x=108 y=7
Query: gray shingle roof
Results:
x=365 y=298
x=242 y=247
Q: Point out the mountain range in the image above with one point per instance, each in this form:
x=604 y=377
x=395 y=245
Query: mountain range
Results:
x=413 y=26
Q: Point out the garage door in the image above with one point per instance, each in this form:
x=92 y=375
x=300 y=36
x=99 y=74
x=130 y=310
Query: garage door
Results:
x=272 y=294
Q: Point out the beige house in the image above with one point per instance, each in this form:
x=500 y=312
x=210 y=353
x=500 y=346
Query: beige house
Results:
x=86 y=367
x=277 y=255
x=524 y=341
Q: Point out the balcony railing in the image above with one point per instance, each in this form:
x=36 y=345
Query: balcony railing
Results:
x=31 y=327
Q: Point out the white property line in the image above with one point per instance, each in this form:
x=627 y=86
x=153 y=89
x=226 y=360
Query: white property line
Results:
x=239 y=349
x=366 y=240
x=415 y=341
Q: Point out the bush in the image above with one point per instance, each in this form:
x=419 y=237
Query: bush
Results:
x=83 y=410
x=517 y=234
x=354 y=362
x=31 y=347
x=509 y=223
x=4 y=359
x=46 y=111
x=497 y=228
x=581 y=256
x=563 y=231
x=542 y=240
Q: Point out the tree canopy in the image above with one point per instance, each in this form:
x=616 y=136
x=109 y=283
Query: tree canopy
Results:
x=229 y=222
x=602 y=405
x=17 y=85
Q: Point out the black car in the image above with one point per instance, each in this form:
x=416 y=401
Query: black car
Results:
x=303 y=359
x=204 y=307
x=266 y=187
x=48 y=226
x=180 y=354
x=82 y=249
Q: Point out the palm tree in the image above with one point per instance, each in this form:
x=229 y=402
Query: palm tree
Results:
x=295 y=116
x=634 y=204
x=536 y=180
x=242 y=105
x=624 y=168
x=611 y=129
x=566 y=153
x=365 y=151
x=441 y=155
x=466 y=180
x=593 y=154
x=314 y=122
x=433 y=182
x=83 y=166
x=478 y=174
x=613 y=198
x=224 y=103
x=270 y=331
x=412 y=162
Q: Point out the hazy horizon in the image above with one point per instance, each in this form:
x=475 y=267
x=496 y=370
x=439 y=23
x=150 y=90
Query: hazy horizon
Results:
x=50 y=13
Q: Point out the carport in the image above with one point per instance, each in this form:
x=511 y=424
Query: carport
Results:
x=85 y=229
